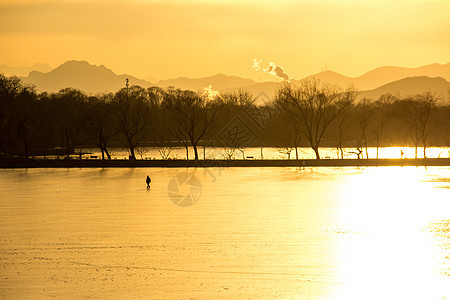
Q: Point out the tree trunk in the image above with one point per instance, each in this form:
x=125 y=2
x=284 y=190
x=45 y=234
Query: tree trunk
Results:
x=195 y=151
x=316 y=151
x=340 y=150
x=67 y=147
x=22 y=133
x=243 y=154
x=25 y=146
x=377 y=147
x=365 y=147
x=424 y=142
x=132 y=155
x=131 y=147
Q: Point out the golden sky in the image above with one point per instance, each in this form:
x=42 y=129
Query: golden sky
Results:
x=167 y=39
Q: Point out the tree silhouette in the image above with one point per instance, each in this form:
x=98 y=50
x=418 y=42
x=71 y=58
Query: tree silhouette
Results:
x=131 y=108
x=382 y=108
x=69 y=113
x=100 y=122
x=343 y=122
x=364 y=113
x=33 y=123
x=416 y=112
x=18 y=112
x=194 y=117
x=315 y=106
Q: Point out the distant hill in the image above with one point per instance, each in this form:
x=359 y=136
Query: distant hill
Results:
x=81 y=75
x=329 y=77
x=369 y=82
x=23 y=70
x=218 y=82
x=438 y=86
x=410 y=86
x=381 y=76
x=384 y=75
x=151 y=79
x=395 y=80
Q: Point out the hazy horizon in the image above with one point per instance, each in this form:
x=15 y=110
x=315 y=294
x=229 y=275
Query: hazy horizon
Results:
x=200 y=38
x=268 y=77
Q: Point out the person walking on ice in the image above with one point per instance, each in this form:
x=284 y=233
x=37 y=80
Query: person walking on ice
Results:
x=148 y=180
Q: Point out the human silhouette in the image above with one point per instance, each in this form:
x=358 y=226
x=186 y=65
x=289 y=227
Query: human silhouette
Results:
x=148 y=180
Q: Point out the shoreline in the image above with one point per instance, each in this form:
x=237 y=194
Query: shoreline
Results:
x=16 y=163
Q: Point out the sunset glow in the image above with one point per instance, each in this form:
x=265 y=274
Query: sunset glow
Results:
x=225 y=149
x=200 y=38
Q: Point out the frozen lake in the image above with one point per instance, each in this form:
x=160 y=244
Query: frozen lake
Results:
x=318 y=233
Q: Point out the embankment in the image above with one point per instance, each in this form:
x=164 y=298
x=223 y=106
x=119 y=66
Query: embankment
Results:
x=121 y=163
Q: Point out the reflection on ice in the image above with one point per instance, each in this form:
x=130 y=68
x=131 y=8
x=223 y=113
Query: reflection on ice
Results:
x=328 y=233
x=396 y=255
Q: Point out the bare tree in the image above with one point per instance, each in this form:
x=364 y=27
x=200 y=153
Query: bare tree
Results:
x=288 y=140
x=241 y=98
x=229 y=152
x=286 y=151
x=343 y=123
x=381 y=114
x=18 y=111
x=291 y=139
x=242 y=150
x=364 y=113
x=69 y=111
x=315 y=106
x=132 y=110
x=141 y=151
x=47 y=128
x=416 y=112
x=100 y=122
x=164 y=151
x=194 y=116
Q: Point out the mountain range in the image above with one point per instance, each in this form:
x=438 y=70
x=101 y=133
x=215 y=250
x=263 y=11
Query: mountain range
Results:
x=96 y=79
x=383 y=75
x=23 y=70
x=83 y=76
x=412 y=86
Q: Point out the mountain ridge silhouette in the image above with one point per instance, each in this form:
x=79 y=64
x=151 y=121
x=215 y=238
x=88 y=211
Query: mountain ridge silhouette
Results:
x=23 y=70
x=96 y=79
x=82 y=75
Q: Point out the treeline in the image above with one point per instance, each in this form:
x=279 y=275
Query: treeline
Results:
x=314 y=115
